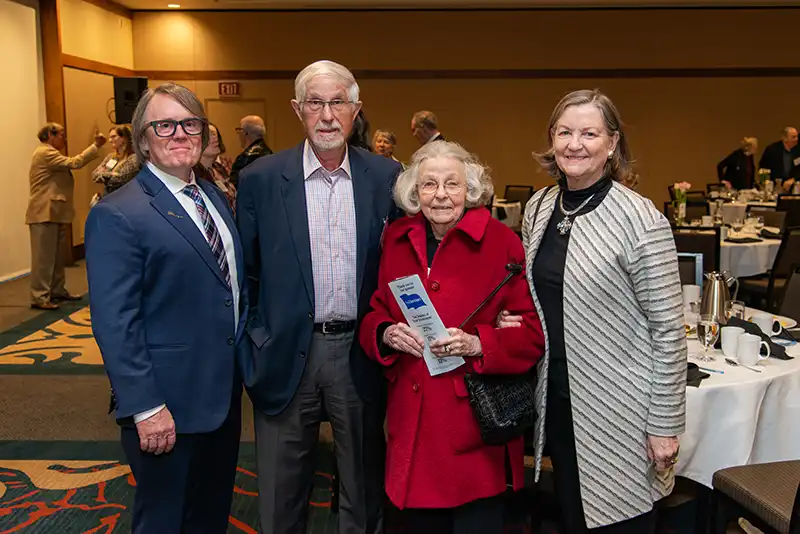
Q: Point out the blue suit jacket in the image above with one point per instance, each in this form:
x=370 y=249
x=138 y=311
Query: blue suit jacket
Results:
x=161 y=310
x=273 y=223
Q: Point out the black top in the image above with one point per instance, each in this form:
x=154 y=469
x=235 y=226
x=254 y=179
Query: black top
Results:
x=548 y=277
x=738 y=168
x=780 y=162
x=431 y=243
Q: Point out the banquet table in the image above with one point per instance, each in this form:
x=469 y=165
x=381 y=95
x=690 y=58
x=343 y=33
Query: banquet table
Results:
x=740 y=417
x=748 y=259
x=513 y=212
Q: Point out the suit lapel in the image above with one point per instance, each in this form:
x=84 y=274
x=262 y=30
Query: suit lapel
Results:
x=225 y=212
x=168 y=206
x=363 y=198
x=293 y=191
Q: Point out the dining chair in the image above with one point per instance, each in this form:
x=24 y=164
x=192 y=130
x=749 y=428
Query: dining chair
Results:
x=714 y=187
x=791 y=205
x=692 y=197
x=705 y=241
x=768 y=495
x=770 y=216
x=693 y=211
x=519 y=193
x=790 y=301
x=766 y=291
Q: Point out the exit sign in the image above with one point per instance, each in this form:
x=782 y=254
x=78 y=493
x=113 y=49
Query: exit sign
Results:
x=229 y=90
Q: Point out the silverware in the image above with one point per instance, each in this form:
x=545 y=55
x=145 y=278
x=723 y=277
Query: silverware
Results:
x=737 y=364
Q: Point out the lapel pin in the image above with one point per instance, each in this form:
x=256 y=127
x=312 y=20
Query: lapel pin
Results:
x=171 y=214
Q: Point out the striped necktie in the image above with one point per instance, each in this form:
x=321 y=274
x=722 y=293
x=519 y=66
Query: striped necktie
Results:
x=212 y=234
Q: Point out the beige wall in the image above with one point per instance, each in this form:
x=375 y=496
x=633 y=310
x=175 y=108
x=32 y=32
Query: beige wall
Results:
x=86 y=95
x=679 y=128
x=22 y=109
x=91 y=32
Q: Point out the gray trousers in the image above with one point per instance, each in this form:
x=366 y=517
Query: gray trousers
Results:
x=47 y=261
x=285 y=447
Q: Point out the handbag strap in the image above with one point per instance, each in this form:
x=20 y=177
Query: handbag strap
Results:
x=539 y=205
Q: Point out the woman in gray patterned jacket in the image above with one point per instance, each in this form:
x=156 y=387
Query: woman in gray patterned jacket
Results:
x=603 y=271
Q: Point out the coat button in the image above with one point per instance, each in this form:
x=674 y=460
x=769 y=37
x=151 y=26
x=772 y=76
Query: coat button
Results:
x=230 y=341
x=435 y=286
x=415 y=387
x=228 y=302
x=302 y=354
x=310 y=315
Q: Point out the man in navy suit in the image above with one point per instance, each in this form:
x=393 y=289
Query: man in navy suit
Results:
x=311 y=220
x=165 y=264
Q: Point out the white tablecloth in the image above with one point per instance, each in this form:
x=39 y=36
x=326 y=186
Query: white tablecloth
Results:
x=748 y=259
x=740 y=417
x=513 y=212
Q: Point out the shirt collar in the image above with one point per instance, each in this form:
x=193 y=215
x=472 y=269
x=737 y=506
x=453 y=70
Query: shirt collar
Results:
x=173 y=183
x=311 y=163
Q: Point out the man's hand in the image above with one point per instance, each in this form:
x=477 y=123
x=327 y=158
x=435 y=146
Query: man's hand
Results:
x=99 y=139
x=157 y=433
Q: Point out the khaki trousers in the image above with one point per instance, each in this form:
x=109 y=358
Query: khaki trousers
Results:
x=47 y=261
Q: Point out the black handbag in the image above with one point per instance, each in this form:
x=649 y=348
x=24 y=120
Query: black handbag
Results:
x=503 y=405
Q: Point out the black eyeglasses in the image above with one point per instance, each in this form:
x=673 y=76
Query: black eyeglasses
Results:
x=168 y=127
x=315 y=105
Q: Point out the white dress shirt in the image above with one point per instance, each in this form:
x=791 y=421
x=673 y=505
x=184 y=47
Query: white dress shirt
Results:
x=176 y=187
x=331 y=211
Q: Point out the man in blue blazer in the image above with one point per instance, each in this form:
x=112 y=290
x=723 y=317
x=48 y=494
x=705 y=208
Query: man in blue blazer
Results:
x=165 y=272
x=311 y=220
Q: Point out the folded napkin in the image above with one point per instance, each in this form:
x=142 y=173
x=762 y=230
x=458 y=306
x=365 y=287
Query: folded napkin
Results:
x=744 y=240
x=769 y=234
x=694 y=375
x=776 y=351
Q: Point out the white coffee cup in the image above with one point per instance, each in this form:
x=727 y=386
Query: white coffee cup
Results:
x=748 y=351
x=691 y=293
x=730 y=340
x=708 y=220
x=767 y=323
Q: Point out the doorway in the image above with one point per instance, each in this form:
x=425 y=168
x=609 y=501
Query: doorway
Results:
x=226 y=114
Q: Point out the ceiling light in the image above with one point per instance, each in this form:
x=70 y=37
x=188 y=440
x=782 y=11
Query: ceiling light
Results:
x=173 y=6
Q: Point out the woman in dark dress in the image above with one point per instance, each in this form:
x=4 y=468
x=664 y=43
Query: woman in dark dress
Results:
x=739 y=167
x=603 y=272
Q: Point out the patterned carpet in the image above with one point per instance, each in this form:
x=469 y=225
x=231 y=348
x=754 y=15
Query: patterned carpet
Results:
x=63 y=471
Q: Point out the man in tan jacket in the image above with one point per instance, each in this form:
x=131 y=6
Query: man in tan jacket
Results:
x=50 y=212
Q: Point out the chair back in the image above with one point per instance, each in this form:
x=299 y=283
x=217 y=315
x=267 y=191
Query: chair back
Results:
x=714 y=187
x=705 y=241
x=791 y=205
x=690 y=268
x=693 y=211
x=519 y=193
x=788 y=253
x=770 y=216
x=790 y=305
x=794 y=523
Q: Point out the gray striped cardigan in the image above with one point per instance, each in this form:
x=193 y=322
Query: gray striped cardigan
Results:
x=625 y=346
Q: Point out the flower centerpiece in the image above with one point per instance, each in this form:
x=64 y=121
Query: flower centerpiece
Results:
x=762 y=175
x=679 y=204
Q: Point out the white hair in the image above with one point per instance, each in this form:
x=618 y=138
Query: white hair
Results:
x=331 y=69
x=479 y=182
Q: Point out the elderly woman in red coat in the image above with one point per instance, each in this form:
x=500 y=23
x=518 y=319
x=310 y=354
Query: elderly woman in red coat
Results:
x=438 y=469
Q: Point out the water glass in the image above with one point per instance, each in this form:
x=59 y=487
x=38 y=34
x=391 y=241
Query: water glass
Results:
x=759 y=223
x=735 y=308
x=707 y=334
x=737 y=225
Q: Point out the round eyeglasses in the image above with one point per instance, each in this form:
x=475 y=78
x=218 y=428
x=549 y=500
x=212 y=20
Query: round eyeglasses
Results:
x=168 y=127
x=430 y=187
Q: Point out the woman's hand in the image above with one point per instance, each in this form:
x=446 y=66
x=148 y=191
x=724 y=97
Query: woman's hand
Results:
x=663 y=451
x=506 y=320
x=403 y=338
x=458 y=344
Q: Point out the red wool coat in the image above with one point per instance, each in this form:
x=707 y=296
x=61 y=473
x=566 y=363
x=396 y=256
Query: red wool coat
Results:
x=436 y=458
